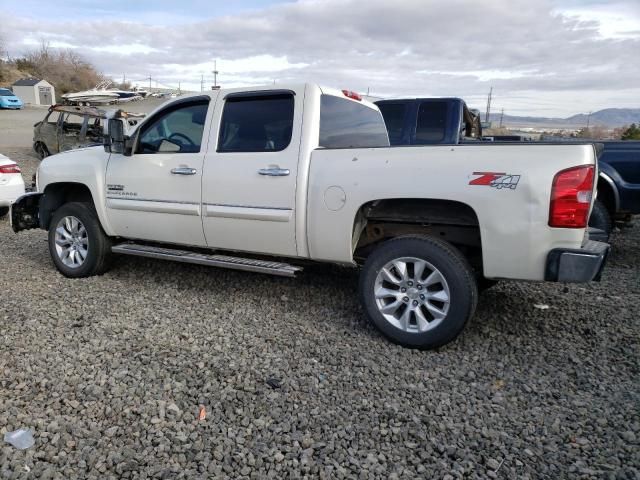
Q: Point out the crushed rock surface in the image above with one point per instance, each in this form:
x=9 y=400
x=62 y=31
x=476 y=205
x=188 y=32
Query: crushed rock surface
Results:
x=111 y=372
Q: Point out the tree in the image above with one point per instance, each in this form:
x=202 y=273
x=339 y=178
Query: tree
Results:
x=65 y=69
x=631 y=133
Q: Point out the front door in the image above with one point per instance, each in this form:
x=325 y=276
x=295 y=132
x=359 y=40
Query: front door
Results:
x=249 y=181
x=154 y=194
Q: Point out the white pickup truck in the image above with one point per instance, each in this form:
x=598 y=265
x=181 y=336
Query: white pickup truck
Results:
x=266 y=179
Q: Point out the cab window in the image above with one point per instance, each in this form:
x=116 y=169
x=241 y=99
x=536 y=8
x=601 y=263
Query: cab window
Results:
x=393 y=114
x=432 y=122
x=176 y=130
x=52 y=118
x=261 y=123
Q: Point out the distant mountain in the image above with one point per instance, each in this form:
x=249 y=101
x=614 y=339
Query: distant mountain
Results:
x=610 y=117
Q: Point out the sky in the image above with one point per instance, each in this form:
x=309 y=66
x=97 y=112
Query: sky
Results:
x=545 y=57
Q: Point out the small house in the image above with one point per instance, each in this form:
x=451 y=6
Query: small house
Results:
x=34 y=91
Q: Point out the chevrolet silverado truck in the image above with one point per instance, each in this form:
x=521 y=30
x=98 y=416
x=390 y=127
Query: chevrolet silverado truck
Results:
x=267 y=179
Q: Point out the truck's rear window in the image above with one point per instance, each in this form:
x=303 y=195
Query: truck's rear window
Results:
x=393 y=114
x=432 y=122
x=348 y=124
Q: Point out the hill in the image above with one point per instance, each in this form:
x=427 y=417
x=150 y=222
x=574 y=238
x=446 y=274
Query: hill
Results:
x=609 y=117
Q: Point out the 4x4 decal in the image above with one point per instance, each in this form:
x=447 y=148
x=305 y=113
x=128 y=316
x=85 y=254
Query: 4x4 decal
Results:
x=497 y=180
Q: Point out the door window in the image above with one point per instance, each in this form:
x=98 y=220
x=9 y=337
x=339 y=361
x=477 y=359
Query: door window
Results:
x=432 y=122
x=72 y=123
x=256 y=123
x=52 y=118
x=177 y=130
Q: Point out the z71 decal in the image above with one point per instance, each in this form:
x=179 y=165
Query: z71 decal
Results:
x=496 y=179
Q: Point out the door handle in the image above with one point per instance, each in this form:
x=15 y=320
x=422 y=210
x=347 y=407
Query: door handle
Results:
x=274 y=172
x=183 y=171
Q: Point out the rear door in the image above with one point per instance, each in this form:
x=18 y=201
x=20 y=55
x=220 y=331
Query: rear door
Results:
x=249 y=180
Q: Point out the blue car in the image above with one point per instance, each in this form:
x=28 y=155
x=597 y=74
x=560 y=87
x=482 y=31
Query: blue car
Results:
x=9 y=100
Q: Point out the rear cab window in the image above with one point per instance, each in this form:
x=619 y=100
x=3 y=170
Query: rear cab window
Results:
x=394 y=118
x=347 y=123
x=256 y=122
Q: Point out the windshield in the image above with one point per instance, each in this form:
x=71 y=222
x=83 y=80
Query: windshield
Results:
x=5 y=93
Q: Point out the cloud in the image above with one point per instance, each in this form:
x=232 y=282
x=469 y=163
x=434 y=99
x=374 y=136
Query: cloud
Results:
x=413 y=47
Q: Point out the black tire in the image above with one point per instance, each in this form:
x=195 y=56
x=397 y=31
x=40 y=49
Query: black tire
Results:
x=3 y=211
x=600 y=218
x=99 y=244
x=458 y=274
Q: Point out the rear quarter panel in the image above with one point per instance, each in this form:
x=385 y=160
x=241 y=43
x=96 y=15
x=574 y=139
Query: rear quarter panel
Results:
x=513 y=223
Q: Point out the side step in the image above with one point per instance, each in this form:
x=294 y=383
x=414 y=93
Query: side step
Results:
x=223 y=261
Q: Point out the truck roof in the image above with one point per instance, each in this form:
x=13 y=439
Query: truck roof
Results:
x=347 y=94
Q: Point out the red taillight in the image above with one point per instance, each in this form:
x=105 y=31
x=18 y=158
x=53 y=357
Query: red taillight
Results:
x=352 y=95
x=571 y=197
x=9 y=168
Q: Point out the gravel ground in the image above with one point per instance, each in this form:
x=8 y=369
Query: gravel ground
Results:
x=110 y=373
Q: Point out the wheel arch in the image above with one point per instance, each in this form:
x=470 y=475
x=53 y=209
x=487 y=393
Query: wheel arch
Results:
x=452 y=221
x=608 y=193
x=57 y=194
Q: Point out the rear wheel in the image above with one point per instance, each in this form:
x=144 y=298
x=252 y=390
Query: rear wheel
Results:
x=77 y=244
x=3 y=211
x=418 y=291
x=600 y=218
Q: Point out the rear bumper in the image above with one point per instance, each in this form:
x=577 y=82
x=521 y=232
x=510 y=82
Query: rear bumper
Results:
x=577 y=265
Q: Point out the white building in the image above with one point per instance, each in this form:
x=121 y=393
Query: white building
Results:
x=34 y=91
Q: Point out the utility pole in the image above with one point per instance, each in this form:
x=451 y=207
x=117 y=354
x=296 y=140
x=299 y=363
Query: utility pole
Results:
x=202 y=83
x=149 y=82
x=486 y=117
x=215 y=73
x=501 y=117
x=179 y=88
x=588 y=120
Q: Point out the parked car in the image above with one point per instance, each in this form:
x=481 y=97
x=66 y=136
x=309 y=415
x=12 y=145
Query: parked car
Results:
x=9 y=100
x=66 y=127
x=266 y=180
x=618 y=184
x=430 y=121
x=11 y=183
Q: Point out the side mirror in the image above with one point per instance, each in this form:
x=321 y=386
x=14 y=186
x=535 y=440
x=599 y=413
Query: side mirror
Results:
x=115 y=139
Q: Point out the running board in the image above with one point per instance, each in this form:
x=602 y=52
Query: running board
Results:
x=223 y=261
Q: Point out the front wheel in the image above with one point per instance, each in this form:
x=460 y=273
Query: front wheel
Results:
x=77 y=244
x=418 y=291
x=3 y=211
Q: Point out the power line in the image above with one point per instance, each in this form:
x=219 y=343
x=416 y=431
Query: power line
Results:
x=486 y=117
